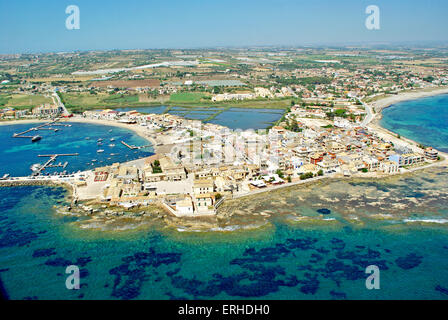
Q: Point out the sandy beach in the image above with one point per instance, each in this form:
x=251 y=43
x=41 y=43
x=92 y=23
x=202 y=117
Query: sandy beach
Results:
x=139 y=130
x=13 y=122
x=405 y=96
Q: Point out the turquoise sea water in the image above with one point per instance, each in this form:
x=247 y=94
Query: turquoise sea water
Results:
x=277 y=262
x=423 y=120
x=233 y=118
x=284 y=259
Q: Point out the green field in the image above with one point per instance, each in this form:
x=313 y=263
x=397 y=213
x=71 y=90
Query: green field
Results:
x=3 y=100
x=23 y=101
x=121 y=99
x=79 y=102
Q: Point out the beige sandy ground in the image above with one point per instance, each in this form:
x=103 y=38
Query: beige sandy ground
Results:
x=310 y=122
x=11 y=122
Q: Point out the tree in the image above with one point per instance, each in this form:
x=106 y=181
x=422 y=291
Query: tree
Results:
x=305 y=176
x=156 y=167
x=217 y=90
x=279 y=173
x=289 y=179
x=320 y=172
x=341 y=113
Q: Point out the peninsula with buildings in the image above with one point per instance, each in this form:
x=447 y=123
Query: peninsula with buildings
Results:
x=328 y=126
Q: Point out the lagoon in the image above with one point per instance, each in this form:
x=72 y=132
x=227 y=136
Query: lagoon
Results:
x=233 y=118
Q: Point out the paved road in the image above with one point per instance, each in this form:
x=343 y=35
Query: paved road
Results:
x=58 y=102
x=369 y=117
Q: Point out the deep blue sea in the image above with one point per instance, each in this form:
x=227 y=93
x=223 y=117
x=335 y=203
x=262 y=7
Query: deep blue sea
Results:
x=362 y=224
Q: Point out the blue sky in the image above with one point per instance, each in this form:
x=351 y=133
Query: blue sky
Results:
x=39 y=26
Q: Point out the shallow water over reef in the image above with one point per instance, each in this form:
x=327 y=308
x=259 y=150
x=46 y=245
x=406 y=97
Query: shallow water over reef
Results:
x=288 y=257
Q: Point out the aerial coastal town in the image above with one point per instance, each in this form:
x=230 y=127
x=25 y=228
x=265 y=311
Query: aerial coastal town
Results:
x=330 y=101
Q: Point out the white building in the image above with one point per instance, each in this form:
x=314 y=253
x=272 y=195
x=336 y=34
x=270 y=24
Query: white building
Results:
x=185 y=207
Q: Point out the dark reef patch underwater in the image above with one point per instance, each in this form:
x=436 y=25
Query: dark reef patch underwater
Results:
x=324 y=211
x=287 y=263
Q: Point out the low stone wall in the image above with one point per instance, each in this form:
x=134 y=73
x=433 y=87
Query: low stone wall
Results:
x=23 y=183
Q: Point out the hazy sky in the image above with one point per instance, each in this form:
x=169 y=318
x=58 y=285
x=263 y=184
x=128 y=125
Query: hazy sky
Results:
x=39 y=26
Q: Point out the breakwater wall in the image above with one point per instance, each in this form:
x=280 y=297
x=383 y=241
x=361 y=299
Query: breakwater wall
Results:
x=24 y=183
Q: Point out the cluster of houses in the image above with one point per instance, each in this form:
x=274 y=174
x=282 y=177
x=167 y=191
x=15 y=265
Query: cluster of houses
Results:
x=207 y=162
x=47 y=110
x=345 y=150
x=259 y=92
x=130 y=186
x=12 y=113
x=41 y=111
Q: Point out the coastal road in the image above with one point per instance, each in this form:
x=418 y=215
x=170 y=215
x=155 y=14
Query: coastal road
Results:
x=58 y=102
x=369 y=117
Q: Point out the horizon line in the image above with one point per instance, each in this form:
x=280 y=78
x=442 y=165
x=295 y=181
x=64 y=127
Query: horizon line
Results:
x=272 y=46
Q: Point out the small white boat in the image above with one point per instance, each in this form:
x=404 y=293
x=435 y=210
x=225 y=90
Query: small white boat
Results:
x=35 y=167
x=112 y=139
x=111 y=145
x=100 y=151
